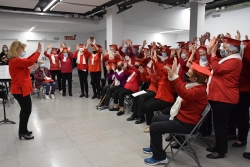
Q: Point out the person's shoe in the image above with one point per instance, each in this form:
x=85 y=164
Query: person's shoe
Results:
x=93 y=97
x=176 y=145
x=103 y=107
x=232 y=137
x=211 y=149
x=215 y=155
x=98 y=96
x=60 y=92
x=152 y=161
x=82 y=95
x=29 y=132
x=147 y=150
x=246 y=155
x=243 y=143
x=140 y=120
x=52 y=96
x=169 y=138
x=70 y=94
x=86 y=95
x=47 y=97
x=114 y=109
x=120 y=113
x=146 y=130
x=25 y=136
x=132 y=117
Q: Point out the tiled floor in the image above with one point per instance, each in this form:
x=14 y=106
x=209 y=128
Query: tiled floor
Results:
x=70 y=132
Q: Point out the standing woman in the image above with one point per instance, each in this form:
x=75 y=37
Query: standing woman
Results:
x=82 y=66
x=21 y=85
x=223 y=90
x=65 y=57
x=94 y=68
x=4 y=55
x=55 y=67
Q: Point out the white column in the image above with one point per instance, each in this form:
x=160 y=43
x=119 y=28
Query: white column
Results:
x=197 y=20
x=114 y=27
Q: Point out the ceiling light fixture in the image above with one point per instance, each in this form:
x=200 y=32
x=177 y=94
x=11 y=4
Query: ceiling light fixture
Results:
x=124 y=7
x=32 y=28
x=163 y=32
x=49 y=5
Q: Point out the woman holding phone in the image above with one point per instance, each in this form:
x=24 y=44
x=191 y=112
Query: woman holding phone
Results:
x=21 y=85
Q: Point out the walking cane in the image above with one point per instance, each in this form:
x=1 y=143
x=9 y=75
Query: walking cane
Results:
x=104 y=96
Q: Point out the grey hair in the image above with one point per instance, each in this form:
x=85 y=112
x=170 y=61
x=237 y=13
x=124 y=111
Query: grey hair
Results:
x=39 y=62
x=233 y=48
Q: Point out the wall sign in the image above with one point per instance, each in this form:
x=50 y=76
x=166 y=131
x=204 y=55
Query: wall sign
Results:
x=70 y=37
x=56 y=38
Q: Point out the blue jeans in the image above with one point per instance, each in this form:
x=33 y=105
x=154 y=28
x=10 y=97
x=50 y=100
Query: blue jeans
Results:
x=47 y=85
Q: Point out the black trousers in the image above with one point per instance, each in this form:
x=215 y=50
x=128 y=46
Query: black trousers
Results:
x=104 y=91
x=221 y=114
x=95 y=82
x=154 y=105
x=56 y=76
x=138 y=107
x=161 y=125
x=110 y=81
x=83 y=78
x=109 y=93
x=145 y=86
x=239 y=117
x=26 y=105
x=120 y=94
x=103 y=80
x=68 y=77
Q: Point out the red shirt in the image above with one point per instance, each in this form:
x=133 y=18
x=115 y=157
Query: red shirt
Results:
x=20 y=74
x=66 y=67
x=55 y=66
x=193 y=103
x=96 y=67
x=134 y=83
x=153 y=79
x=224 y=86
x=81 y=66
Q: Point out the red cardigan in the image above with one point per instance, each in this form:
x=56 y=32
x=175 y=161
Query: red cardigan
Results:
x=66 y=67
x=20 y=74
x=53 y=66
x=39 y=76
x=153 y=79
x=224 y=86
x=81 y=66
x=193 y=103
x=135 y=82
x=97 y=61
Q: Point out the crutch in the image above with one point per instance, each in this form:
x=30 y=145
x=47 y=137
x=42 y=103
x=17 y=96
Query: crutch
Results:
x=104 y=96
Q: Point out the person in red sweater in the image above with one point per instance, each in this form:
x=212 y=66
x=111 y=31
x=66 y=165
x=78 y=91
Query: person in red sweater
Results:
x=21 y=85
x=65 y=57
x=94 y=67
x=185 y=113
x=182 y=59
x=132 y=86
x=223 y=90
x=55 y=67
x=82 y=66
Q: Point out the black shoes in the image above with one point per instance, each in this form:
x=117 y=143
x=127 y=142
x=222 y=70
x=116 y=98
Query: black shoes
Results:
x=70 y=94
x=114 y=109
x=86 y=95
x=132 y=118
x=246 y=155
x=140 y=120
x=94 y=97
x=120 y=113
x=169 y=138
x=25 y=136
x=82 y=95
x=243 y=143
x=215 y=155
x=29 y=132
x=211 y=149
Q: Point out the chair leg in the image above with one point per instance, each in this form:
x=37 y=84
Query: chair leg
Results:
x=199 y=136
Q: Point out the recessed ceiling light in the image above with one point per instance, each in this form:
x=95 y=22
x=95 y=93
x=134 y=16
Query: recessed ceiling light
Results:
x=170 y=31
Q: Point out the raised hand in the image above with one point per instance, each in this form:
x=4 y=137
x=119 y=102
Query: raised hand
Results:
x=194 y=47
x=48 y=46
x=179 y=51
x=149 y=71
x=77 y=47
x=108 y=68
x=106 y=52
x=246 y=37
x=63 y=45
x=94 y=42
x=61 y=49
x=125 y=64
x=89 y=42
x=155 y=58
x=238 y=35
x=173 y=51
x=228 y=35
x=141 y=69
x=39 y=47
x=158 y=43
x=211 y=43
x=123 y=42
x=129 y=62
x=194 y=39
x=144 y=43
x=203 y=39
x=214 y=49
x=126 y=41
x=113 y=67
x=69 y=48
x=208 y=36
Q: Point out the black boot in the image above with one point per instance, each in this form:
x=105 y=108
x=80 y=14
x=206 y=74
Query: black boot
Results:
x=132 y=117
x=140 y=120
x=94 y=97
x=25 y=136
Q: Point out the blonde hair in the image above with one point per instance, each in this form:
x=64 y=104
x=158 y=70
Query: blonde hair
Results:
x=14 y=48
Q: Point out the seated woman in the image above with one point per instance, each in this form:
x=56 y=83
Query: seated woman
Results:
x=119 y=78
x=132 y=86
x=43 y=77
x=185 y=113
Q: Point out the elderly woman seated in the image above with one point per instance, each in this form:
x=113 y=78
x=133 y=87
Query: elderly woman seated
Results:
x=43 y=77
x=184 y=114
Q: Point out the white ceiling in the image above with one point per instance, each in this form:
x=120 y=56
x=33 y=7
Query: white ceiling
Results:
x=19 y=3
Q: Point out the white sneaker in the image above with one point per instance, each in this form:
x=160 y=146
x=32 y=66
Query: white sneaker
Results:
x=52 y=96
x=61 y=92
x=146 y=130
x=47 y=97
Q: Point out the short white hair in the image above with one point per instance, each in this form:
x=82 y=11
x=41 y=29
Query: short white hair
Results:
x=39 y=62
x=232 y=48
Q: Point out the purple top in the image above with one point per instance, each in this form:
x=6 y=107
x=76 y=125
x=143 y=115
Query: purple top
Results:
x=122 y=77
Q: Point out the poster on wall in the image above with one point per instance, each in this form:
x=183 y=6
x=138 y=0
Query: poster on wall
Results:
x=70 y=37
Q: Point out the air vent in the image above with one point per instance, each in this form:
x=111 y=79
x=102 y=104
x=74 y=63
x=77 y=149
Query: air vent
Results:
x=215 y=15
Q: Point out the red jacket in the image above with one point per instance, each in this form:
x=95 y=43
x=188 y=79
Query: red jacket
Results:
x=164 y=92
x=135 y=82
x=39 y=78
x=193 y=103
x=81 y=66
x=114 y=61
x=66 y=67
x=153 y=79
x=224 y=86
x=20 y=74
x=97 y=61
x=55 y=66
